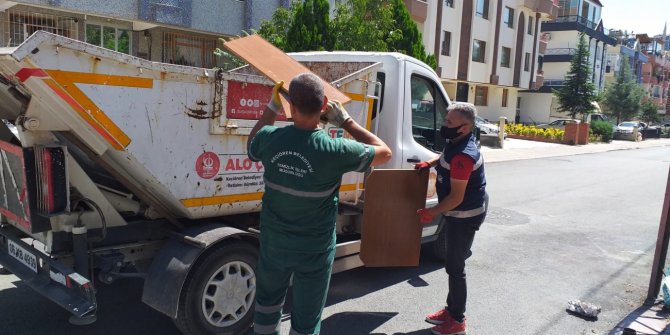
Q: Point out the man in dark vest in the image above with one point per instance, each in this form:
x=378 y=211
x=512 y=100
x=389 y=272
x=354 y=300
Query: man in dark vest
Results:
x=461 y=191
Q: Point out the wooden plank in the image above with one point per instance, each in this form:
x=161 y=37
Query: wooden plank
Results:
x=391 y=234
x=274 y=63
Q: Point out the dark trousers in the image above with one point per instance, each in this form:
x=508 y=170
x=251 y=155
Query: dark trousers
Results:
x=460 y=235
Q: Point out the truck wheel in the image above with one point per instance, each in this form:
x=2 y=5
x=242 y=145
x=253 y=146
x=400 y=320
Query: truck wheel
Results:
x=220 y=292
x=439 y=246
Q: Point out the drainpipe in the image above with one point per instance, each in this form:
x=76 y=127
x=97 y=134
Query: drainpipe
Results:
x=438 y=36
x=494 y=79
x=531 y=82
x=248 y=14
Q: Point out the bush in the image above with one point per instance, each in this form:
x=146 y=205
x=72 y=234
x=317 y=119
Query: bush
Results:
x=603 y=129
x=532 y=131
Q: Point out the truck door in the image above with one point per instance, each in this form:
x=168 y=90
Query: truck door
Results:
x=424 y=110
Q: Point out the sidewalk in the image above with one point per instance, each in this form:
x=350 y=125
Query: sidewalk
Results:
x=645 y=319
x=515 y=149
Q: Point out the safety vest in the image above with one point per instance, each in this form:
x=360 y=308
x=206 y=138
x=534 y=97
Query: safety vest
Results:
x=475 y=192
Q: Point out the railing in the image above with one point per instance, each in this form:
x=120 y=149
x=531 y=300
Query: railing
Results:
x=554 y=82
x=560 y=51
x=575 y=18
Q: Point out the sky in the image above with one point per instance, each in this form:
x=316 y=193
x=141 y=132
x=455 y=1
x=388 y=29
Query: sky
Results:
x=638 y=16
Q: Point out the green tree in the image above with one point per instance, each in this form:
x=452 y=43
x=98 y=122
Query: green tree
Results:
x=577 y=94
x=310 y=28
x=650 y=112
x=362 y=25
x=409 y=41
x=275 y=31
x=623 y=97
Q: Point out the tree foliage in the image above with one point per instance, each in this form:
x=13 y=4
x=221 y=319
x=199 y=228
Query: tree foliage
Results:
x=311 y=28
x=577 y=94
x=357 y=25
x=623 y=97
x=650 y=112
x=276 y=30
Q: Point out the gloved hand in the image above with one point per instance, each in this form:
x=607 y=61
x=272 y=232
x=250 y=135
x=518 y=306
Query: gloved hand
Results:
x=275 y=103
x=336 y=114
x=425 y=216
x=421 y=166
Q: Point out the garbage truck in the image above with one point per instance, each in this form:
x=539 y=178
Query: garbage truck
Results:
x=114 y=167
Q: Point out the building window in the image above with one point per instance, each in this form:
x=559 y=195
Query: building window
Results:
x=482 y=9
x=481 y=95
x=446 y=44
x=449 y=3
x=504 y=97
x=508 y=17
x=530 y=25
x=18 y=25
x=526 y=62
x=111 y=38
x=478 y=51
x=505 y=57
x=190 y=50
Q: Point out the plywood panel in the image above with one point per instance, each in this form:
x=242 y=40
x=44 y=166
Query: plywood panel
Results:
x=391 y=234
x=274 y=63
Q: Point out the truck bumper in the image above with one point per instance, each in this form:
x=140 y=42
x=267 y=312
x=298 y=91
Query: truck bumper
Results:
x=47 y=276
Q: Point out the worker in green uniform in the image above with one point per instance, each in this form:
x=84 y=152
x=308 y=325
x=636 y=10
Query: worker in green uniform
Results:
x=303 y=170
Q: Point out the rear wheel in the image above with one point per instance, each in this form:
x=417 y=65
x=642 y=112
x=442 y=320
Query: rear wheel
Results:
x=219 y=294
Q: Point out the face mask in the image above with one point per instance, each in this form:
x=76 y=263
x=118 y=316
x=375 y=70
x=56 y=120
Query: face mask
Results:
x=450 y=133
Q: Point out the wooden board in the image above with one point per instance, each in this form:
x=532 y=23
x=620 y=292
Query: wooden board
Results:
x=274 y=63
x=391 y=234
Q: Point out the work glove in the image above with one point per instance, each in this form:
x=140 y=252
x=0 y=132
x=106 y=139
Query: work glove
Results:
x=275 y=103
x=336 y=114
x=419 y=167
x=425 y=216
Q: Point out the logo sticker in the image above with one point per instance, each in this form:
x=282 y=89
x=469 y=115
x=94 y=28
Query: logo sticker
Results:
x=207 y=165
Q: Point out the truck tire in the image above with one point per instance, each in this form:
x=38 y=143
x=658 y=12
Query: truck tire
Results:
x=219 y=294
x=439 y=246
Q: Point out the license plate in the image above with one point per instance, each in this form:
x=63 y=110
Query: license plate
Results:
x=22 y=255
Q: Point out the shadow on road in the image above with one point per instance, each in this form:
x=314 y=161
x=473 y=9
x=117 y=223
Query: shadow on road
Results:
x=122 y=312
x=645 y=320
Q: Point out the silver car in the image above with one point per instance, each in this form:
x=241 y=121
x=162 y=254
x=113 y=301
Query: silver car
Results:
x=624 y=130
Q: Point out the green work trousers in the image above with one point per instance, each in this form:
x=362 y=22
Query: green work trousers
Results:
x=311 y=277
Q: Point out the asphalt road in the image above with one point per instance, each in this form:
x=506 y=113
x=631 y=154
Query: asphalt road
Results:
x=574 y=227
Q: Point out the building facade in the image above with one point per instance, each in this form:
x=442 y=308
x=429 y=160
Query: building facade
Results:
x=562 y=35
x=182 y=32
x=656 y=72
x=486 y=50
x=627 y=48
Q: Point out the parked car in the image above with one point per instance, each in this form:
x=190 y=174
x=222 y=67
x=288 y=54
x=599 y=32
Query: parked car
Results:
x=487 y=128
x=558 y=124
x=624 y=130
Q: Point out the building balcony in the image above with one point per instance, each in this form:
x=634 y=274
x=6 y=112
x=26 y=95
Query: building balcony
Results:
x=418 y=9
x=580 y=24
x=558 y=55
x=541 y=6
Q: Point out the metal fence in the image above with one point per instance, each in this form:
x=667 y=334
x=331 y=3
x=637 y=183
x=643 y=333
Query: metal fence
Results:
x=560 y=51
x=190 y=50
x=19 y=25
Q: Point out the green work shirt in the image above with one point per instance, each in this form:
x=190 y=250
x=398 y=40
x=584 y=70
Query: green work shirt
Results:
x=303 y=172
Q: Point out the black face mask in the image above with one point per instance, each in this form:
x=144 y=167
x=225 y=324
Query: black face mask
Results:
x=450 y=133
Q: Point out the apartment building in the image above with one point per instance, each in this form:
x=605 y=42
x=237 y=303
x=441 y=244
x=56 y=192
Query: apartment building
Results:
x=486 y=50
x=656 y=72
x=575 y=17
x=182 y=32
x=628 y=47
